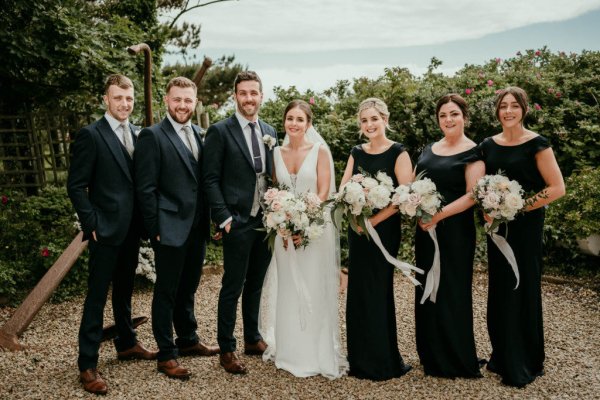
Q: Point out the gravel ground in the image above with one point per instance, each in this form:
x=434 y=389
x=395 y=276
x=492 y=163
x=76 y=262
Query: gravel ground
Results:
x=47 y=368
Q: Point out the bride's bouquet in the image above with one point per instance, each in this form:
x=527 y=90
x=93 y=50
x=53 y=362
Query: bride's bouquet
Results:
x=420 y=199
x=359 y=197
x=501 y=199
x=287 y=215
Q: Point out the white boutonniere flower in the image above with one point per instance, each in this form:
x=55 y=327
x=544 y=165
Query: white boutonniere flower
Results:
x=269 y=141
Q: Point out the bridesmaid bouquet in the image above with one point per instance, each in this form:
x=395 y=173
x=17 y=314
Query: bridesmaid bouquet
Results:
x=501 y=199
x=287 y=214
x=357 y=199
x=420 y=199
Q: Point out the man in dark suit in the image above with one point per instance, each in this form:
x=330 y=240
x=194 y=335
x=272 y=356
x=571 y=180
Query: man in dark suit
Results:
x=100 y=185
x=235 y=166
x=168 y=173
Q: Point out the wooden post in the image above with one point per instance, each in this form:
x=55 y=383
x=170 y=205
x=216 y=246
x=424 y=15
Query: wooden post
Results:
x=16 y=325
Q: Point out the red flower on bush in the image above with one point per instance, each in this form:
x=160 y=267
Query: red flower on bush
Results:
x=490 y=82
x=311 y=101
x=558 y=95
x=469 y=90
x=537 y=107
x=4 y=199
x=538 y=53
x=45 y=252
x=498 y=60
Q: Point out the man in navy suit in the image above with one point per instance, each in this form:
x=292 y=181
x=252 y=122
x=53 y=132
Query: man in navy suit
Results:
x=169 y=185
x=100 y=185
x=236 y=163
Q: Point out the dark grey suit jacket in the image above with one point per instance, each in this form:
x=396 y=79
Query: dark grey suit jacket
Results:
x=229 y=171
x=168 y=187
x=100 y=183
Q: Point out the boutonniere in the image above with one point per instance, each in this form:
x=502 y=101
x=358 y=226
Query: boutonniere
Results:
x=136 y=132
x=269 y=141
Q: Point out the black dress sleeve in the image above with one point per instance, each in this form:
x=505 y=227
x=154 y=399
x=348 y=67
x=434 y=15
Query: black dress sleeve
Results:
x=538 y=144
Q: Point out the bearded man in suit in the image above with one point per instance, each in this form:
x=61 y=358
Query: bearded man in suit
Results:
x=169 y=185
x=236 y=164
x=100 y=186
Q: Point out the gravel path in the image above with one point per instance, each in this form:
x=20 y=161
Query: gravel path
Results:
x=47 y=369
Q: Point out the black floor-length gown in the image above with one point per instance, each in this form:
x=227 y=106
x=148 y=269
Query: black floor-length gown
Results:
x=514 y=316
x=370 y=309
x=444 y=329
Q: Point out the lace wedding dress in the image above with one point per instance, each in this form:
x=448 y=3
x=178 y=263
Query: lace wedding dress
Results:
x=299 y=305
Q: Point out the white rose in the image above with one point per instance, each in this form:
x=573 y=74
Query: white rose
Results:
x=379 y=196
x=514 y=201
x=410 y=209
x=314 y=231
x=491 y=201
x=278 y=217
x=369 y=183
x=385 y=179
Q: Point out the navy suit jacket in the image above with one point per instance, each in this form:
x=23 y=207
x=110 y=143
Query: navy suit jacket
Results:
x=229 y=170
x=100 y=183
x=168 y=186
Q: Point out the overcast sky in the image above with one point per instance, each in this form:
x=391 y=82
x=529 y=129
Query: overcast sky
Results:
x=312 y=43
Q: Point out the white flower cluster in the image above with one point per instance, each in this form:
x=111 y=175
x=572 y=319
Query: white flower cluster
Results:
x=419 y=199
x=269 y=141
x=287 y=215
x=499 y=197
x=362 y=194
x=146 y=262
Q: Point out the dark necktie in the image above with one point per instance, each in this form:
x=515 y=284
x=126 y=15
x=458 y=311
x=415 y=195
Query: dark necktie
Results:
x=255 y=148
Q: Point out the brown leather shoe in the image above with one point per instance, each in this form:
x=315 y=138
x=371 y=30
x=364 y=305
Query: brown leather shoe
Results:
x=232 y=364
x=137 y=352
x=92 y=381
x=255 y=349
x=199 y=349
x=172 y=369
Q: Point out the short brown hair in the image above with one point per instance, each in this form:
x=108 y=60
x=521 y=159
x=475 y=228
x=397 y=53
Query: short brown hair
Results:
x=118 y=80
x=246 y=76
x=519 y=94
x=302 y=105
x=452 y=98
x=182 y=82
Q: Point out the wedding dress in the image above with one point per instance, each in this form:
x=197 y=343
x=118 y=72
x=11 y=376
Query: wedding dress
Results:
x=299 y=305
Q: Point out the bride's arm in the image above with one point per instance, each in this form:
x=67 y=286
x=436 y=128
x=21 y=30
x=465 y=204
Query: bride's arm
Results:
x=404 y=175
x=323 y=173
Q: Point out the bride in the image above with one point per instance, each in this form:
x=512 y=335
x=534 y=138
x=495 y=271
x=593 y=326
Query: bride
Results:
x=299 y=305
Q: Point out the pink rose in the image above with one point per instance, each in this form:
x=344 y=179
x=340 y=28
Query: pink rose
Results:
x=271 y=194
x=468 y=91
x=538 y=53
x=490 y=82
x=537 y=107
x=550 y=90
x=45 y=252
x=311 y=101
x=498 y=60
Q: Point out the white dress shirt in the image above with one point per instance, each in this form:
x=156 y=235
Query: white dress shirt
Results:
x=115 y=125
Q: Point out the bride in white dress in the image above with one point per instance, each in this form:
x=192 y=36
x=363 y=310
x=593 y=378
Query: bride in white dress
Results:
x=299 y=305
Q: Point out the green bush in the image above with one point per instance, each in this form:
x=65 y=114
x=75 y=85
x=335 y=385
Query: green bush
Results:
x=575 y=216
x=35 y=231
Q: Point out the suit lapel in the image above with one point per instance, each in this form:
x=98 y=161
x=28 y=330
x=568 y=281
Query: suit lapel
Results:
x=268 y=151
x=238 y=136
x=178 y=144
x=114 y=145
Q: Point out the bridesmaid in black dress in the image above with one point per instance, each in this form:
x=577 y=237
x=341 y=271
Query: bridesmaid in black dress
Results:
x=370 y=309
x=444 y=329
x=515 y=316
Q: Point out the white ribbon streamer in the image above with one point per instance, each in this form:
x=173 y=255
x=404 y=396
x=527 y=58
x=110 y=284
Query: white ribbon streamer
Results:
x=433 y=276
x=404 y=267
x=304 y=306
x=506 y=250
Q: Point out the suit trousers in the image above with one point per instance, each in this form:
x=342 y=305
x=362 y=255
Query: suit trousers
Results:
x=108 y=264
x=178 y=272
x=246 y=257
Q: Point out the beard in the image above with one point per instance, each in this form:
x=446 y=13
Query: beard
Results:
x=178 y=119
x=247 y=114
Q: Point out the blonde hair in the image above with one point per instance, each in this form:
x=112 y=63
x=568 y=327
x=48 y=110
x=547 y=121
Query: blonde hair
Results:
x=379 y=106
